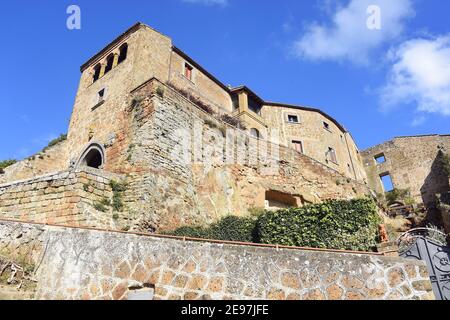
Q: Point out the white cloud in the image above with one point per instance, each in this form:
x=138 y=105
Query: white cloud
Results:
x=347 y=36
x=208 y=2
x=420 y=74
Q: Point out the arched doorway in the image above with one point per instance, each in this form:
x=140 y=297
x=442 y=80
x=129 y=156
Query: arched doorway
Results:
x=93 y=157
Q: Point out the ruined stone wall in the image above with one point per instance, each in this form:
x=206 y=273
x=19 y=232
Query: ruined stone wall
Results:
x=412 y=163
x=88 y=264
x=47 y=161
x=180 y=171
x=67 y=198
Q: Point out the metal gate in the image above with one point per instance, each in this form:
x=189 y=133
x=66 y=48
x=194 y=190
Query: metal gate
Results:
x=424 y=244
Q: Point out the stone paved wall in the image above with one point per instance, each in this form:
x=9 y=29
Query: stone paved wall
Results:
x=67 y=197
x=412 y=162
x=89 y=264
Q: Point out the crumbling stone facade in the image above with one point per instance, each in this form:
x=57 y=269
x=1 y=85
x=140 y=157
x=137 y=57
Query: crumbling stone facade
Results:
x=413 y=163
x=90 y=264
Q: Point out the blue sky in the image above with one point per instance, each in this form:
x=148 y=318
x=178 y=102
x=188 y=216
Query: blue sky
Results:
x=378 y=83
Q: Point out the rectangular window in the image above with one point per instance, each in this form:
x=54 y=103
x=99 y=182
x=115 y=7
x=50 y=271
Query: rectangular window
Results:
x=188 y=71
x=101 y=95
x=380 y=159
x=332 y=155
x=326 y=126
x=298 y=146
x=387 y=182
x=293 y=119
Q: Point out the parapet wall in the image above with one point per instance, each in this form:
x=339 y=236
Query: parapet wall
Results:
x=90 y=264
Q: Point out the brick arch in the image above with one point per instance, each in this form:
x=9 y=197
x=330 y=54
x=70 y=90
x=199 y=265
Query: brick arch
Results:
x=94 y=156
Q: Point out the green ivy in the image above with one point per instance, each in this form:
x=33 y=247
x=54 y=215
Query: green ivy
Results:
x=335 y=224
x=345 y=225
x=230 y=228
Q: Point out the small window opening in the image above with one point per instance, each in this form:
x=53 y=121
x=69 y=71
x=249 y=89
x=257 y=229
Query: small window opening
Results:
x=97 y=70
x=293 y=119
x=332 y=155
x=123 y=53
x=326 y=126
x=298 y=146
x=109 y=63
x=101 y=96
x=188 y=71
x=380 y=158
x=255 y=133
x=388 y=185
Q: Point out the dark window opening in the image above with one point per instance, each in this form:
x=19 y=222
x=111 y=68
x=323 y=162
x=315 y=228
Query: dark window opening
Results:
x=188 y=71
x=109 y=63
x=255 y=133
x=235 y=101
x=101 y=95
x=388 y=185
x=93 y=159
x=123 y=53
x=298 y=146
x=293 y=119
x=97 y=71
x=326 y=126
x=254 y=106
x=380 y=159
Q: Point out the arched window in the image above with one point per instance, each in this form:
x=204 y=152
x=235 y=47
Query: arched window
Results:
x=93 y=157
x=255 y=133
x=97 y=70
x=109 y=63
x=123 y=52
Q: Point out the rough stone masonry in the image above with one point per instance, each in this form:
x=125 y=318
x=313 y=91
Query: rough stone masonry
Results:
x=89 y=264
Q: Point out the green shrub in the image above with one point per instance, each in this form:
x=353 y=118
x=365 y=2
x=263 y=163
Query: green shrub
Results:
x=445 y=163
x=345 y=225
x=230 y=228
x=190 y=232
x=6 y=163
x=234 y=228
x=398 y=195
x=100 y=207
x=54 y=142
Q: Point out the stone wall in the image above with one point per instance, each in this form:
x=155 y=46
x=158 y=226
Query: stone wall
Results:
x=315 y=138
x=89 y=264
x=182 y=169
x=67 y=197
x=413 y=163
x=49 y=160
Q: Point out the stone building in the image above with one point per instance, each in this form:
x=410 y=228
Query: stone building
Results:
x=188 y=148
x=413 y=163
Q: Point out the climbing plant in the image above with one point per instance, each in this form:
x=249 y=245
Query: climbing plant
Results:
x=346 y=225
